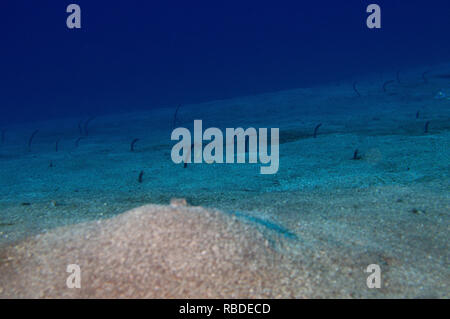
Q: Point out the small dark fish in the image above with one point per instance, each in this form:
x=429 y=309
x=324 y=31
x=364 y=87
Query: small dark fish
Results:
x=132 y=144
x=30 y=140
x=316 y=129
x=77 y=141
x=356 y=90
x=427 y=124
x=356 y=156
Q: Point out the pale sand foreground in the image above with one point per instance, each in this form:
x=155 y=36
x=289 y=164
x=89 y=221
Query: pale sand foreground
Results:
x=151 y=252
x=190 y=252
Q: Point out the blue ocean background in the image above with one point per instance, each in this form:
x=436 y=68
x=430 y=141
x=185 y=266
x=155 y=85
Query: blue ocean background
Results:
x=132 y=55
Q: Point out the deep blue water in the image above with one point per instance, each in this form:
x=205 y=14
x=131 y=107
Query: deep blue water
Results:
x=145 y=54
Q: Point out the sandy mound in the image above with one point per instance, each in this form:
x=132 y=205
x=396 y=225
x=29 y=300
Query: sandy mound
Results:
x=150 y=252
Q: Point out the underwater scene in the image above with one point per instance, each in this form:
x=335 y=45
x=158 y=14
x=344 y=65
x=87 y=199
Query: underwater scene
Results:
x=238 y=149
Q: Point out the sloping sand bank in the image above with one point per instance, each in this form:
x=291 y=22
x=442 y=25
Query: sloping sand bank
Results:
x=190 y=252
x=149 y=252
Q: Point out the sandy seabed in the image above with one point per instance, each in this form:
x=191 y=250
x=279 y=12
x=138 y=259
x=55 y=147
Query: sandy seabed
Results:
x=309 y=231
